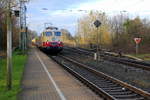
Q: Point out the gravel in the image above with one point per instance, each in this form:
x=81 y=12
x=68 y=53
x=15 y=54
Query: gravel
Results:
x=97 y=80
x=134 y=76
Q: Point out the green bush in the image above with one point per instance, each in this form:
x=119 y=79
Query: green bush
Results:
x=18 y=67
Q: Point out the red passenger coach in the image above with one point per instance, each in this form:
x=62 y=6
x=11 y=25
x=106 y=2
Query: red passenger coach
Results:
x=50 y=40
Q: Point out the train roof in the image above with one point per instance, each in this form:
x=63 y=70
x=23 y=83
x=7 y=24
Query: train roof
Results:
x=51 y=28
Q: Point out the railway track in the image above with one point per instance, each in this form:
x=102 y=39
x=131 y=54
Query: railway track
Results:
x=106 y=86
x=107 y=56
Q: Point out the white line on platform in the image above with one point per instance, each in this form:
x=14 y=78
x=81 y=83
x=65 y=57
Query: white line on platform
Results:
x=50 y=77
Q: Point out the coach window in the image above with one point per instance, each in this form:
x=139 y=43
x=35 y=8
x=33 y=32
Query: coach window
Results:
x=48 y=33
x=57 y=33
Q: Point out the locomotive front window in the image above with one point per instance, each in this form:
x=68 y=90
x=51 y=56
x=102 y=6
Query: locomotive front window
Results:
x=48 y=33
x=57 y=33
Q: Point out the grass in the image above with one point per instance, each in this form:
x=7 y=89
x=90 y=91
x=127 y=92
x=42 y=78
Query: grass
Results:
x=142 y=56
x=18 y=66
x=143 y=83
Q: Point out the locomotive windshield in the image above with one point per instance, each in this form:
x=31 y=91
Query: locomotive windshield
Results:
x=48 y=33
x=57 y=33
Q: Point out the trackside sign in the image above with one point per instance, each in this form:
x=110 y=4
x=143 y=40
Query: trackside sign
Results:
x=137 y=40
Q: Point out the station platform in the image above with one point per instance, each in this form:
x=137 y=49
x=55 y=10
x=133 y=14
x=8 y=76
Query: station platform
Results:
x=43 y=79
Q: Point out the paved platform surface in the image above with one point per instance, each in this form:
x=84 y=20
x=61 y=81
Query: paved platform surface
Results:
x=43 y=79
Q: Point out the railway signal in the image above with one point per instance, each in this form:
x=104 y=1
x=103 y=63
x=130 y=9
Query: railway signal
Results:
x=17 y=13
x=97 y=24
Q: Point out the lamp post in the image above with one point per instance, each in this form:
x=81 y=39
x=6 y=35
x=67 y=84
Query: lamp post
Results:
x=9 y=44
x=97 y=24
x=9 y=47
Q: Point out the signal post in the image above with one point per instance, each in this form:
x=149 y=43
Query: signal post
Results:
x=97 y=24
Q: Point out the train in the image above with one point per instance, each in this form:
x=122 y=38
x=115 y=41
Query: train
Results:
x=50 y=40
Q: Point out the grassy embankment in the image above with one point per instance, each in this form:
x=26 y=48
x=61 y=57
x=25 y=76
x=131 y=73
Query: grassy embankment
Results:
x=18 y=66
x=142 y=56
x=145 y=57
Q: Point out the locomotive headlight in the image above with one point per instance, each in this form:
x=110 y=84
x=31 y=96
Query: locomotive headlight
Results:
x=47 y=43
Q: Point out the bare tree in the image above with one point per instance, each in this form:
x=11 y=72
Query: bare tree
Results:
x=87 y=33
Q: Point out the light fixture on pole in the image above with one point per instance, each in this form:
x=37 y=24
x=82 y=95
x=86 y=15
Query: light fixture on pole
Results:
x=9 y=44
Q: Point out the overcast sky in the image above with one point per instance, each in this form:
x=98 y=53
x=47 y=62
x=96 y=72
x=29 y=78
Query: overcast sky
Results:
x=65 y=13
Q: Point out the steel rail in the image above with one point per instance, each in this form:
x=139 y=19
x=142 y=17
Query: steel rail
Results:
x=130 y=63
x=95 y=88
x=126 y=62
x=128 y=86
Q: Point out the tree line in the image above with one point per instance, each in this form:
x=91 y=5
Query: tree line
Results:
x=115 y=33
x=15 y=27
